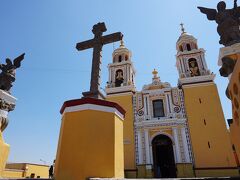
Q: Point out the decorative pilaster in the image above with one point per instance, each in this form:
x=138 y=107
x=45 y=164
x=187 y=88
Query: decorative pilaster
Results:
x=177 y=150
x=140 y=153
x=185 y=145
x=147 y=147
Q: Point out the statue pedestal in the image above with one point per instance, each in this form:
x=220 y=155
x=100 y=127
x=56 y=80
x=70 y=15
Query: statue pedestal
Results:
x=7 y=103
x=232 y=52
x=91 y=140
x=4 y=151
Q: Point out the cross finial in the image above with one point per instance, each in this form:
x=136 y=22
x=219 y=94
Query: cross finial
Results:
x=182 y=28
x=121 y=43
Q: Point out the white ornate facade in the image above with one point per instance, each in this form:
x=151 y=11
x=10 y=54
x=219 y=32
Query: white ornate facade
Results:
x=172 y=124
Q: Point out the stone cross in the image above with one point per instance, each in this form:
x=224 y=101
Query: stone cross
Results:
x=97 y=43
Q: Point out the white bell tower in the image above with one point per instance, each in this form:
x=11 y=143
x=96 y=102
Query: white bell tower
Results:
x=121 y=72
x=191 y=63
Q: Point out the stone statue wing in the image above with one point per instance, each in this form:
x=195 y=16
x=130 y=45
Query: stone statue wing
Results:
x=17 y=61
x=8 y=62
x=211 y=13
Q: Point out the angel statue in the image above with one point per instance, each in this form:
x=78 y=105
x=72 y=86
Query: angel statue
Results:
x=227 y=20
x=7 y=76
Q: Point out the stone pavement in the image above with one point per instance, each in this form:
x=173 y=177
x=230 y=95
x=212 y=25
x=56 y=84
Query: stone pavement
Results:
x=203 y=178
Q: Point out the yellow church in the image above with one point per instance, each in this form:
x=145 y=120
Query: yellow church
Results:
x=172 y=131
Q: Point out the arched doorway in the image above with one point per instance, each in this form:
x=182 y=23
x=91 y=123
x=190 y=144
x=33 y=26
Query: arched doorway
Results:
x=163 y=157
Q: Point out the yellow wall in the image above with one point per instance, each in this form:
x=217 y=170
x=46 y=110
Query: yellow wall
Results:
x=185 y=170
x=38 y=170
x=87 y=146
x=217 y=173
x=234 y=91
x=215 y=132
x=125 y=101
x=9 y=173
x=4 y=151
x=18 y=170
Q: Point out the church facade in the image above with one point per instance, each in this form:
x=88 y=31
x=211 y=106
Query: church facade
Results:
x=172 y=131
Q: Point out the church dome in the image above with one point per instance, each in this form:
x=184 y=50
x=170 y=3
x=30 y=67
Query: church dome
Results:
x=121 y=54
x=186 y=41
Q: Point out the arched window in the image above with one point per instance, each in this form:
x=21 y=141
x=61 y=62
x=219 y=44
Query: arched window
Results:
x=193 y=67
x=188 y=47
x=158 y=108
x=120 y=58
x=180 y=48
x=126 y=57
x=119 y=78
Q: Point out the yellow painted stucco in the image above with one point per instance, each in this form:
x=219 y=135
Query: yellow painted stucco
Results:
x=202 y=103
x=4 y=151
x=234 y=92
x=25 y=170
x=185 y=170
x=90 y=145
x=126 y=102
x=217 y=173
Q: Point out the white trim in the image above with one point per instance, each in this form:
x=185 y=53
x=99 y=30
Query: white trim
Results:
x=93 y=107
x=110 y=90
x=226 y=51
x=196 y=79
x=7 y=97
x=3 y=113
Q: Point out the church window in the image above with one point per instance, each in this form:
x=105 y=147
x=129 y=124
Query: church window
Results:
x=158 y=109
x=120 y=58
x=188 y=47
x=205 y=122
x=181 y=48
x=209 y=145
x=200 y=100
x=118 y=78
x=193 y=67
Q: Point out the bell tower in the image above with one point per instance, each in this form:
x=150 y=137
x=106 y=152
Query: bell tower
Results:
x=120 y=89
x=205 y=118
x=121 y=72
x=191 y=63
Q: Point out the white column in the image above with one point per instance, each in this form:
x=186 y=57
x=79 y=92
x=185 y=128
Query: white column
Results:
x=147 y=148
x=140 y=154
x=177 y=150
x=185 y=145
x=148 y=106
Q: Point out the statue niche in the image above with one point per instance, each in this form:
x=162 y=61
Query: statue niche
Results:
x=193 y=66
x=119 y=78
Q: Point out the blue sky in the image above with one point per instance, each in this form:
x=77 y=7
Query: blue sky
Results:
x=53 y=71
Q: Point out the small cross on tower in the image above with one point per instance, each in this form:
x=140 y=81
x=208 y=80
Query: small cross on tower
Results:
x=182 y=28
x=97 y=43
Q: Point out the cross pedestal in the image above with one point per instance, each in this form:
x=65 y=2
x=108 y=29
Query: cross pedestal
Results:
x=91 y=140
